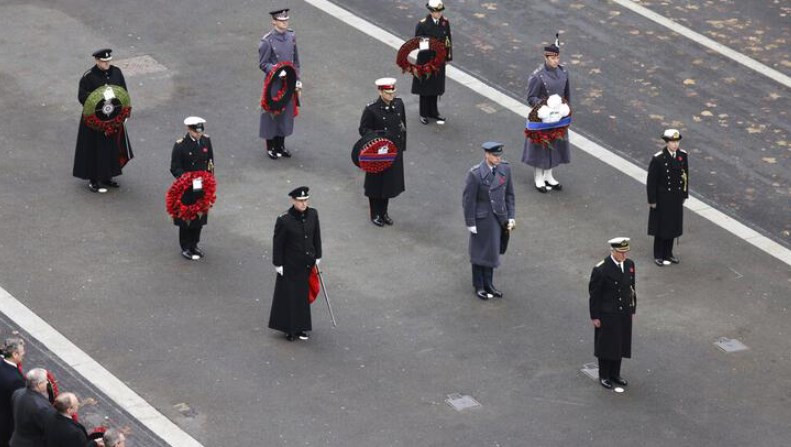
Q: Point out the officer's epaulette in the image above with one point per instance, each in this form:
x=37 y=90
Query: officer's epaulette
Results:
x=539 y=68
x=600 y=263
x=86 y=72
x=474 y=167
x=682 y=151
x=504 y=162
x=179 y=140
x=562 y=68
x=206 y=135
x=658 y=153
x=423 y=19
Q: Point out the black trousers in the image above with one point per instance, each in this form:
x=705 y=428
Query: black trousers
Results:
x=663 y=248
x=482 y=277
x=378 y=206
x=277 y=144
x=189 y=237
x=609 y=369
x=428 y=106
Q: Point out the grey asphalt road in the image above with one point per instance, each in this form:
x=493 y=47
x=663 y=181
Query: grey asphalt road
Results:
x=106 y=272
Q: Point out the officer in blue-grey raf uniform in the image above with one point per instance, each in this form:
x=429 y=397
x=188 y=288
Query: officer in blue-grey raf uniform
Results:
x=194 y=152
x=613 y=302
x=489 y=212
x=550 y=78
x=667 y=187
x=276 y=46
x=430 y=88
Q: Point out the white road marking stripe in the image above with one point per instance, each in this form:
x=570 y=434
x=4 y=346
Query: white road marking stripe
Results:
x=95 y=373
x=695 y=205
x=706 y=42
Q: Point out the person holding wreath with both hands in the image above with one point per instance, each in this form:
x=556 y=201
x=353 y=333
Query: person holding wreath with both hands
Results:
x=432 y=86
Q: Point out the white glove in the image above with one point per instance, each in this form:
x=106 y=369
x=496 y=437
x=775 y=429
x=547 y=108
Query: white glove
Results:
x=299 y=85
x=282 y=74
x=279 y=270
x=511 y=224
x=318 y=261
x=473 y=229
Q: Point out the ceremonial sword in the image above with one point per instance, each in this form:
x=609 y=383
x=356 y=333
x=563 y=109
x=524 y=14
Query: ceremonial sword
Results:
x=326 y=297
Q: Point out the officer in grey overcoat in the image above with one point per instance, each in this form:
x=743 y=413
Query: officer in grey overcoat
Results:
x=550 y=78
x=667 y=187
x=612 y=303
x=276 y=46
x=430 y=88
x=489 y=210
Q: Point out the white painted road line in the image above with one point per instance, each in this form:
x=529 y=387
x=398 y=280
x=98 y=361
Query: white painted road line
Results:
x=697 y=206
x=95 y=373
x=748 y=62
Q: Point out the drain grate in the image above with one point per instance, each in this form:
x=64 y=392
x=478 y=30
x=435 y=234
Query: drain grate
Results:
x=461 y=402
x=730 y=345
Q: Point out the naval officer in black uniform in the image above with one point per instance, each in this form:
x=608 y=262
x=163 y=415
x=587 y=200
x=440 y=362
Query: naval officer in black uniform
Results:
x=668 y=188
x=192 y=153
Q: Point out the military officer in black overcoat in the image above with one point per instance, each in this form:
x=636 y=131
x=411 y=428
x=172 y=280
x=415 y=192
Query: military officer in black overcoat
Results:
x=296 y=249
x=431 y=87
x=99 y=157
x=667 y=187
x=192 y=153
x=613 y=302
x=386 y=118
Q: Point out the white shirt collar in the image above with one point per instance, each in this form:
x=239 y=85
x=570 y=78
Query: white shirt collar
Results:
x=10 y=363
x=619 y=264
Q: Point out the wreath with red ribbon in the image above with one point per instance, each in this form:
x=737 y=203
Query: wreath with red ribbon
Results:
x=545 y=136
x=177 y=209
x=106 y=109
x=428 y=68
x=277 y=102
x=375 y=155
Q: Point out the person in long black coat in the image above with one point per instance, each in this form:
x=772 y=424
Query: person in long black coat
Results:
x=11 y=379
x=192 y=153
x=431 y=87
x=385 y=117
x=296 y=249
x=612 y=303
x=667 y=187
x=61 y=429
x=489 y=210
x=99 y=157
x=31 y=408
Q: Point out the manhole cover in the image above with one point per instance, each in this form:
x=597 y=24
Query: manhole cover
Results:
x=461 y=402
x=730 y=344
x=591 y=370
x=139 y=65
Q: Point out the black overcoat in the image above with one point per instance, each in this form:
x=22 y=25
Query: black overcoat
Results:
x=667 y=186
x=296 y=245
x=433 y=85
x=63 y=431
x=613 y=301
x=191 y=155
x=98 y=156
x=388 y=121
x=10 y=380
x=30 y=412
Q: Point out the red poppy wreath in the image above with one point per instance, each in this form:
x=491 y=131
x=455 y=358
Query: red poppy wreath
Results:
x=173 y=200
x=428 y=68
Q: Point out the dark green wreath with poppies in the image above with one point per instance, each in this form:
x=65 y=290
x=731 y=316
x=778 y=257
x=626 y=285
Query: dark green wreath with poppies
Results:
x=107 y=108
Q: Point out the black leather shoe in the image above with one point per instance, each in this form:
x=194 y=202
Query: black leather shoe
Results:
x=111 y=184
x=198 y=251
x=556 y=187
x=542 y=189
x=496 y=293
x=284 y=152
x=378 y=221
x=482 y=294
x=271 y=153
x=387 y=220
x=440 y=120
x=606 y=383
x=673 y=259
x=186 y=254
x=620 y=381
x=303 y=335
x=290 y=337
x=94 y=187
x=423 y=120
x=659 y=262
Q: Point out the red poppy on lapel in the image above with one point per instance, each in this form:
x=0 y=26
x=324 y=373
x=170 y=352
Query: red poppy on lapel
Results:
x=205 y=149
x=502 y=180
x=679 y=158
x=631 y=269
